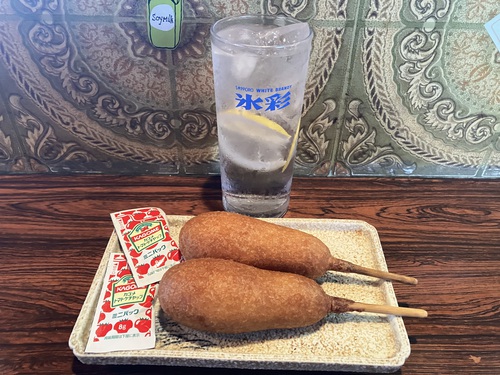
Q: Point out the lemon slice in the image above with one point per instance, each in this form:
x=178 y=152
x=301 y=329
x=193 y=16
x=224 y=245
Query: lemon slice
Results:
x=260 y=120
x=292 y=147
x=252 y=141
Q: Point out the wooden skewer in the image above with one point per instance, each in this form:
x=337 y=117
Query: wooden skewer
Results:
x=391 y=310
x=345 y=266
x=340 y=305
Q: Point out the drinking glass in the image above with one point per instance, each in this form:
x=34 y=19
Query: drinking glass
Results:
x=260 y=66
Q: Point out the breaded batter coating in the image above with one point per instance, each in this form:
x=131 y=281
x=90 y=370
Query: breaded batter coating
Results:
x=224 y=296
x=255 y=242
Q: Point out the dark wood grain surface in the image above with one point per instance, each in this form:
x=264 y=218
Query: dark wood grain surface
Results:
x=53 y=231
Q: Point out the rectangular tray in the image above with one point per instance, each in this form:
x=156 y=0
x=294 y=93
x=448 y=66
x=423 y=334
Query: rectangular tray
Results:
x=340 y=342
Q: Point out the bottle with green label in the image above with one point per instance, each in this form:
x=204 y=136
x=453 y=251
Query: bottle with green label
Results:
x=164 y=22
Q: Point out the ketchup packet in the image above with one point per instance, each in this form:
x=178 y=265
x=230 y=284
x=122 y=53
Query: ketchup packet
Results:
x=123 y=317
x=145 y=239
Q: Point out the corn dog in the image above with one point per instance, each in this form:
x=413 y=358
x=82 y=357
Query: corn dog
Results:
x=223 y=296
x=265 y=245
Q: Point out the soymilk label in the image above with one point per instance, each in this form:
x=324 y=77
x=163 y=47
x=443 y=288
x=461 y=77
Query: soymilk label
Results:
x=164 y=22
x=162 y=17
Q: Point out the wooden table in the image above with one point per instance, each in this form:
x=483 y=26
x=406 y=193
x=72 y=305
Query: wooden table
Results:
x=53 y=230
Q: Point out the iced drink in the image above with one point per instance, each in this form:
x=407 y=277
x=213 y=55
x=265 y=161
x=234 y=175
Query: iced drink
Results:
x=260 y=68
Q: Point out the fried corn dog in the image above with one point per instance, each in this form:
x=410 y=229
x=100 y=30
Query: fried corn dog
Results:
x=266 y=245
x=223 y=296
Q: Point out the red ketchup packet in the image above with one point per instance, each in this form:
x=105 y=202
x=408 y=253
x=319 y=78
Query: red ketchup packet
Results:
x=123 y=317
x=145 y=239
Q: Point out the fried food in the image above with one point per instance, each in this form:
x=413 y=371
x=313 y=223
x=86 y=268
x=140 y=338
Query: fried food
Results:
x=265 y=245
x=223 y=296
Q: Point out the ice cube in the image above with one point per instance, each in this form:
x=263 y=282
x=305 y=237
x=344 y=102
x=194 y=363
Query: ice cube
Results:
x=240 y=34
x=288 y=34
x=243 y=65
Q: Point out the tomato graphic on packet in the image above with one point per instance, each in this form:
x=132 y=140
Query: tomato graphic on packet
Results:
x=134 y=253
x=148 y=301
x=139 y=216
x=143 y=325
x=127 y=213
x=123 y=326
x=174 y=255
x=107 y=295
x=132 y=224
x=102 y=316
x=159 y=261
x=123 y=272
x=103 y=329
x=125 y=216
x=121 y=265
x=143 y=269
x=106 y=307
x=154 y=212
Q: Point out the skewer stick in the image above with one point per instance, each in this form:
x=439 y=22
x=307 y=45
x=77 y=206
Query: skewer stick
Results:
x=387 y=309
x=345 y=266
x=342 y=305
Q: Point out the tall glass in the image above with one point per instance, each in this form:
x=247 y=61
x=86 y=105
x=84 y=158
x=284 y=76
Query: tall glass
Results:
x=260 y=68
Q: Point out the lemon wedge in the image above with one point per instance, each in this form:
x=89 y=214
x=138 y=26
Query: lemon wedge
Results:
x=260 y=120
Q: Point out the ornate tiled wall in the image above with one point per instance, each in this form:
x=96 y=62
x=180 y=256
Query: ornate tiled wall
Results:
x=396 y=87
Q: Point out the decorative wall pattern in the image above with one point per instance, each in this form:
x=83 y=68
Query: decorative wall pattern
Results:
x=396 y=87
